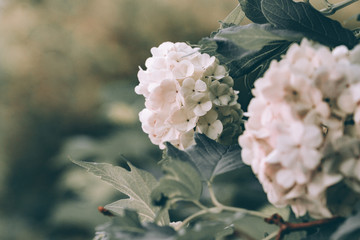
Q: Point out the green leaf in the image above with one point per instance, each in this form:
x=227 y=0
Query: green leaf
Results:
x=253 y=226
x=235 y=17
x=136 y=184
x=180 y=182
x=251 y=61
x=209 y=157
x=227 y=225
x=120 y=227
x=206 y=230
x=256 y=36
x=128 y=227
x=252 y=9
x=301 y=17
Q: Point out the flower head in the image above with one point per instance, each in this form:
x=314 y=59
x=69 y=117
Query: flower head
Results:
x=183 y=90
x=301 y=106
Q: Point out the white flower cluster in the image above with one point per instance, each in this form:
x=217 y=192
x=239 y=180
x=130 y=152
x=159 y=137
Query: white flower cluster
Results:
x=301 y=108
x=186 y=91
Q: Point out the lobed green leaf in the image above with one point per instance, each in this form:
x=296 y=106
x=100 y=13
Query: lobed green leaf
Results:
x=137 y=184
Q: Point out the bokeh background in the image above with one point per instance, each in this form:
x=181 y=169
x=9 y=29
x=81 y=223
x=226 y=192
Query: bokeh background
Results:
x=67 y=73
x=67 y=76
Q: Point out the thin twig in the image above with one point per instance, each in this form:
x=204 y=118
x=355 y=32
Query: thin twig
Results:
x=191 y=217
x=199 y=204
x=287 y=227
x=332 y=8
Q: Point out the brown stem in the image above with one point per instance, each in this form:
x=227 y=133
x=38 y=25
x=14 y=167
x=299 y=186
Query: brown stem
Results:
x=287 y=227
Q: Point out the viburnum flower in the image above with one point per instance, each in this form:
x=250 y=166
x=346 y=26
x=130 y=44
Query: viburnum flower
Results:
x=186 y=92
x=303 y=108
x=210 y=125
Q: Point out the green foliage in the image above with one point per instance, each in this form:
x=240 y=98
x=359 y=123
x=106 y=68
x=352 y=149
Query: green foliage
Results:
x=180 y=182
x=207 y=230
x=301 y=17
x=253 y=37
x=209 y=157
x=136 y=184
x=252 y=9
x=129 y=227
x=350 y=229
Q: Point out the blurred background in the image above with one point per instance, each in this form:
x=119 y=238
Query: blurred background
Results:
x=67 y=73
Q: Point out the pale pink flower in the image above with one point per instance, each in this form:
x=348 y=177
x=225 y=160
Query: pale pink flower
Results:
x=183 y=119
x=210 y=125
x=164 y=96
x=301 y=105
x=187 y=139
x=191 y=86
x=199 y=102
x=176 y=87
x=183 y=69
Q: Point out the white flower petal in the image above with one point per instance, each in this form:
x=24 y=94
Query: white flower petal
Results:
x=285 y=178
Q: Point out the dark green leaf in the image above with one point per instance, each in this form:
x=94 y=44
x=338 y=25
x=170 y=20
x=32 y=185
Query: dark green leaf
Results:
x=252 y=9
x=251 y=61
x=350 y=229
x=136 y=183
x=128 y=227
x=180 y=182
x=301 y=17
x=323 y=232
x=250 y=195
x=209 y=157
